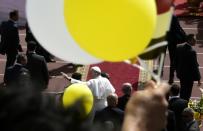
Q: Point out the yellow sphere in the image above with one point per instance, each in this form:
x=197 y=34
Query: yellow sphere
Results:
x=112 y=30
x=76 y=92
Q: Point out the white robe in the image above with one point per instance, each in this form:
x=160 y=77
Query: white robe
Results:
x=101 y=88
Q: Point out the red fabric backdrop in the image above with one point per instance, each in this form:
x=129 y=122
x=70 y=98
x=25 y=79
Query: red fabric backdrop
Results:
x=119 y=73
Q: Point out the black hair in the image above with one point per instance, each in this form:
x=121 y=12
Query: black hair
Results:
x=77 y=76
x=26 y=110
x=190 y=37
x=13 y=13
x=105 y=75
x=31 y=46
x=175 y=89
x=20 y=58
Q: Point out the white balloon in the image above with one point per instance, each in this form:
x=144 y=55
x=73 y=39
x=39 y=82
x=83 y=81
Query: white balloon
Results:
x=47 y=22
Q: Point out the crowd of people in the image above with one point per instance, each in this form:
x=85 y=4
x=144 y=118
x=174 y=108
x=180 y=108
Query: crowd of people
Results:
x=19 y=65
x=156 y=108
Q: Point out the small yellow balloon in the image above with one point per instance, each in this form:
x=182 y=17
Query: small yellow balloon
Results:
x=112 y=30
x=76 y=92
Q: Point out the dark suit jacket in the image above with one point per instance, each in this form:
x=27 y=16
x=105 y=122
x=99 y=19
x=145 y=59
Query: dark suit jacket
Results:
x=191 y=126
x=10 y=37
x=17 y=76
x=187 y=67
x=176 y=34
x=171 y=121
x=115 y=115
x=122 y=101
x=38 y=69
x=177 y=105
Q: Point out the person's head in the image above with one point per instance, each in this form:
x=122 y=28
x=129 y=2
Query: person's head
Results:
x=127 y=88
x=13 y=15
x=77 y=76
x=112 y=100
x=31 y=46
x=95 y=71
x=175 y=90
x=188 y=115
x=191 y=40
x=21 y=59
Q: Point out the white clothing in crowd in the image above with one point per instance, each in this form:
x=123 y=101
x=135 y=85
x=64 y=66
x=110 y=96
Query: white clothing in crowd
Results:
x=101 y=88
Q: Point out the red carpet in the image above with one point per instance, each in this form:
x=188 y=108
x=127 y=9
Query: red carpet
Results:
x=119 y=73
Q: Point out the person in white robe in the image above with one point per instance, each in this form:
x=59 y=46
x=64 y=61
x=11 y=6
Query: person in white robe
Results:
x=101 y=87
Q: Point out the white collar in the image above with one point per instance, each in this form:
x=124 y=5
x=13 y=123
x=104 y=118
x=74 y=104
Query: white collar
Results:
x=172 y=97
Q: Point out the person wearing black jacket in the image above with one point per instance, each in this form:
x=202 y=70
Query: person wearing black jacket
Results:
x=187 y=67
x=123 y=100
x=111 y=115
x=177 y=104
x=38 y=68
x=189 y=123
x=175 y=36
x=10 y=42
x=17 y=76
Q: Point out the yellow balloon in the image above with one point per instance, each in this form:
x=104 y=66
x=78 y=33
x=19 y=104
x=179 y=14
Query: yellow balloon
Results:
x=112 y=30
x=76 y=92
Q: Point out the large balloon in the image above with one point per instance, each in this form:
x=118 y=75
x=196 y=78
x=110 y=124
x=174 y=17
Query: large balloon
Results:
x=90 y=31
x=112 y=30
x=46 y=20
x=77 y=92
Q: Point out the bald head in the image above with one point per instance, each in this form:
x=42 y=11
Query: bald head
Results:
x=127 y=88
x=112 y=100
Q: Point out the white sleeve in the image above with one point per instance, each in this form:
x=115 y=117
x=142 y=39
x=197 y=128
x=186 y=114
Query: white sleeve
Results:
x=110 y=88
x=76 y=81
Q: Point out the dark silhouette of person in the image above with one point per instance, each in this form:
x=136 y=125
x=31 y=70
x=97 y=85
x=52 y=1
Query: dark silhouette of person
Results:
x=123 y=100
x=77 y=76
x=177 y=104
x=38 y=68
x=176 y=35
x=189 y=123
x=25 y=110
x=171 y=121
x=110 y=114
x=39 y=49
x=187 y=67
x=10 y=38
x=17 y=76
